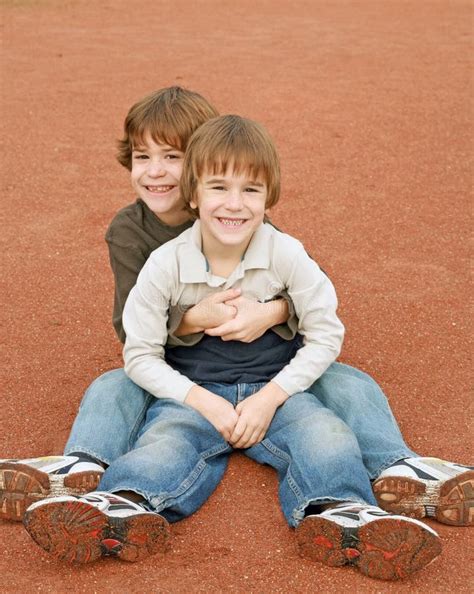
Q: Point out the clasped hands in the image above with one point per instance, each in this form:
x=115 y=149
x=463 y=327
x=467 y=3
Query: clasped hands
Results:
x=247 y=423
x=231 y=316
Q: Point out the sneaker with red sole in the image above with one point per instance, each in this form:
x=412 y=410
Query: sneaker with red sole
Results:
x=380 y=545
x=428 y=487
x=23 y=482
x=100 y=524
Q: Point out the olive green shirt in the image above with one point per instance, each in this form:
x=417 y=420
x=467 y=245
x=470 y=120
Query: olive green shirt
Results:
x=133 y=234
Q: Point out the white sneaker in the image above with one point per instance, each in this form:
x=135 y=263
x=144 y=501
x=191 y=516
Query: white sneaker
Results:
x=381 y=545
x=419 y=487
x=22 y=482
x=83 y=529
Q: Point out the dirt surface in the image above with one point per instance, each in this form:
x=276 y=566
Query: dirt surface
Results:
x=369 y=102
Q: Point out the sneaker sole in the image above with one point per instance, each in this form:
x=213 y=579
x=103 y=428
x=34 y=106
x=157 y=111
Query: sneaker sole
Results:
x=387 y=549
x=77 y=532
x=21 y=485
x=450 y=502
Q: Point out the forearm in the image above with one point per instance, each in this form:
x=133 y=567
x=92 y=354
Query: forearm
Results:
x=309 y=363
x=275 y=393
x=188 y=325
x=277 y=312
x=155 y=376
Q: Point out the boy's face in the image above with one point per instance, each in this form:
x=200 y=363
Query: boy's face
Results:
x=156 y=169
x=231 y=208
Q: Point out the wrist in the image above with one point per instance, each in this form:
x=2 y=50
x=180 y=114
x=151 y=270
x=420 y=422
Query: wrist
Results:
x=188 y=324
x=282 y=312
x=275 y=393
x=195 y=396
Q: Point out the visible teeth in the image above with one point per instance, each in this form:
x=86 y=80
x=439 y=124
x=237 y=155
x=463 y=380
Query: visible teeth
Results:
x=231 y=222
x=159 y=189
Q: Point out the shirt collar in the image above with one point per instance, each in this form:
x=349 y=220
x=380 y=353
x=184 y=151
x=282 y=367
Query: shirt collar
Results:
x=193 y=264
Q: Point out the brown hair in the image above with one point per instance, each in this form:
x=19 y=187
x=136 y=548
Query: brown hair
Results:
x=230 y=141
x=169 y=116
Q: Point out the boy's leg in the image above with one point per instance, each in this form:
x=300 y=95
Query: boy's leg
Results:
x=177 y=462
x=316 y=455
x=357 y=399
x=319 y=462
x=109 y=417
x=106 y=426
x=404 y=482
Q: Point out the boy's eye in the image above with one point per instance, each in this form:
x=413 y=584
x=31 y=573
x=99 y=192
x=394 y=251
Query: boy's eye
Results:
x=220 y=188
x=174 y=156
x=140 y=156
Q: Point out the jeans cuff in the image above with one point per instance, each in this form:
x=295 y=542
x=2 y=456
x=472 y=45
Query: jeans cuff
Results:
x=298 y=514
x=389 y=461
x=70 y=450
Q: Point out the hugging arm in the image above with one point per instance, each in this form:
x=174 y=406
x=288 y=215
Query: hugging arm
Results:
x=232 y=316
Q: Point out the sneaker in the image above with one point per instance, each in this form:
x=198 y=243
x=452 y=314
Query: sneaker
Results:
x=381 y=545
x=428 y=487
x=100 y=524
x=23 y=482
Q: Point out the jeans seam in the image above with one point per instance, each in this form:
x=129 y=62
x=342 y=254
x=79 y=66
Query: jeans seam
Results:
x=138 y=421
x=158 y=501
x=286 y=458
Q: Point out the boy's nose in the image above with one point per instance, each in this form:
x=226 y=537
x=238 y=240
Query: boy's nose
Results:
x=234 y=200
x=156 y=169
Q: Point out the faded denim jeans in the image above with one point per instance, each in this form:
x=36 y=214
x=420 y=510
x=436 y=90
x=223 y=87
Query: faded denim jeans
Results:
x=179 y=457
x=113 y=410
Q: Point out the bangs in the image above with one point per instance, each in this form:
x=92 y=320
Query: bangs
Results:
x=161 y=131
x=240 y=156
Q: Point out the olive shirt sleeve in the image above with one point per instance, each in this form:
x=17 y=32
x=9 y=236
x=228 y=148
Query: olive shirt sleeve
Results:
x=126 y=262
x=133 y=234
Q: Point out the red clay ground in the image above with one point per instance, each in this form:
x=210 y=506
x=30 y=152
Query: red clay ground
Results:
x=369 y=102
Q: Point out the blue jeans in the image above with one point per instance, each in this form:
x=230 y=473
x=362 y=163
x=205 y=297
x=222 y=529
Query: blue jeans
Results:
x=113 y=410
x=179 y=457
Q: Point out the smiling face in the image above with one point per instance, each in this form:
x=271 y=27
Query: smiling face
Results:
x=231 y=207
x=156 y=170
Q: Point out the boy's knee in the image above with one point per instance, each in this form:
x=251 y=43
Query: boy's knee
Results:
x=344 y=391
x=112 y=388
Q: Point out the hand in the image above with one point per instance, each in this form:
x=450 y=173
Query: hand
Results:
x=255 y=415
x=215 y=409
x=252 y=320
x=212 y=311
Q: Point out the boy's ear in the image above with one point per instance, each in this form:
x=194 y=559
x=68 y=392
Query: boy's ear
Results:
x=193 y=204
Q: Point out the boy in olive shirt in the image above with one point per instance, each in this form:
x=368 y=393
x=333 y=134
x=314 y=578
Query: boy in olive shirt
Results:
x=156 y=132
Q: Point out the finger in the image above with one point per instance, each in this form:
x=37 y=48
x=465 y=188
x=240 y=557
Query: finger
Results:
x=239 y=431
x=235 y=302
x=247 y=441
x=243 y=301
x=223 y=329
x=246 y=437
x=226 y=295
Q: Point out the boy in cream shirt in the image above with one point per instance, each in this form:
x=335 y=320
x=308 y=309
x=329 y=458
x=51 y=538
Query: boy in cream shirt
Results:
x=230 y=178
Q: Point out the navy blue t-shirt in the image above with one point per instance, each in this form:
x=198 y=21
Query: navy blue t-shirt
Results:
x=232 y=362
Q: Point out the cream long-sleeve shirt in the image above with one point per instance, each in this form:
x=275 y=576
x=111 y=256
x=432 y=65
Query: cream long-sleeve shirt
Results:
x=176 y=277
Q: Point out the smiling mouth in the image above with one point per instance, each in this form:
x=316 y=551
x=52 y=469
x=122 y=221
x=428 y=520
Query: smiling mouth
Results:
x=231 y=222
x=159 y=189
